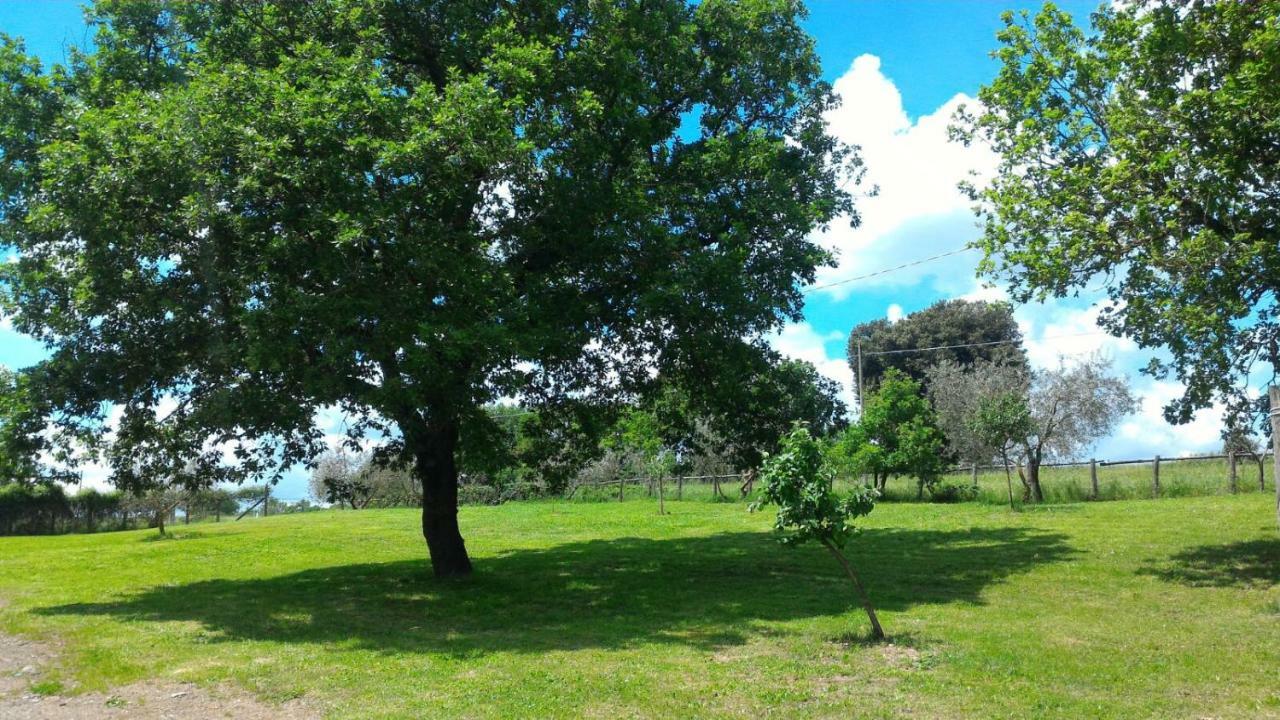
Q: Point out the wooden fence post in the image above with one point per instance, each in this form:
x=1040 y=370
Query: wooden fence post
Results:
x=679 y=487
x=1093 y=477
x=1231 y=473
x=1273 y=394
x=1155 y=476
x=622 y=483
x=975 y=474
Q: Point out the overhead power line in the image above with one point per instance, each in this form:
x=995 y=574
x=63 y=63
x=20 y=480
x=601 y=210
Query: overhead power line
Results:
x=886 y=271
x=904 y=351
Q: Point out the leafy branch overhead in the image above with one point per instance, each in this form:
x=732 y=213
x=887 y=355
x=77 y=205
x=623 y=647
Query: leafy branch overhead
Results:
x=1140 y=155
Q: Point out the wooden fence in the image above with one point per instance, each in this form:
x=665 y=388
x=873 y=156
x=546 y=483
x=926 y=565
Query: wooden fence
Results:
x=1232 y=458
x=651 y=483
x=1233 y=474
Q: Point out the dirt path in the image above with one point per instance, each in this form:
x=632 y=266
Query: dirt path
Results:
x=22 y=697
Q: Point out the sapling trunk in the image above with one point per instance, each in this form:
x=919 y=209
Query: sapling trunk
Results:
x=1008 y=476
x=877 y=632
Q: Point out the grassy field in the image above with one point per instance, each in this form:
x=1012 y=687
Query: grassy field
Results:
x=1167 y=608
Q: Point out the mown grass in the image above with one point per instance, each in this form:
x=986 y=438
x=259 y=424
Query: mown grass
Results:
x=1166 y=608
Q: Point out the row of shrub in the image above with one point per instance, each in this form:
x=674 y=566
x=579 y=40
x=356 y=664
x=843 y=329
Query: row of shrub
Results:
x=475 y=493
x=45 y=508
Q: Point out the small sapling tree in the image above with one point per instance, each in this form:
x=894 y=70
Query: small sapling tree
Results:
x=799 y=481
x=640 y=432
x=1001 y=421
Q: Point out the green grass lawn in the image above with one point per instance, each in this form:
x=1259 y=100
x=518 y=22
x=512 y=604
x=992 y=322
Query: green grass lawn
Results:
x=1167 y=608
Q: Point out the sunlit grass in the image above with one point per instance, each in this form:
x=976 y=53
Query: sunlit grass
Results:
x=1121 y=609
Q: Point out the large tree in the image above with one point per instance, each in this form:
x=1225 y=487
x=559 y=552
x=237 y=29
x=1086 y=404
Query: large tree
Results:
x=750 y=417
x=231 y=215
x=1142 y=156
x=959 y=331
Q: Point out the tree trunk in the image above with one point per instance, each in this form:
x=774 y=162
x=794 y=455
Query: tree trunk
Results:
x=1274 y=395
x=1008 y=475
x=1033 y=480
x=433 y=450
x=877 y=632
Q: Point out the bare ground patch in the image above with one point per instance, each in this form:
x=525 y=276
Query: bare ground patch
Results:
x=25 y=694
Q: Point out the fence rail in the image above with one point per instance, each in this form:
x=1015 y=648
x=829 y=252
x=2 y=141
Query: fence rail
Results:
x=1107 y=463
x=650 y=483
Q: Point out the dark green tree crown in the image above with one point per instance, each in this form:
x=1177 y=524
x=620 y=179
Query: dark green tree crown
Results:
x=249 y=211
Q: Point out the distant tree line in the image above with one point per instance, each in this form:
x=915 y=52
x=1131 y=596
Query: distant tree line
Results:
x=677 y=428
x=45 y=507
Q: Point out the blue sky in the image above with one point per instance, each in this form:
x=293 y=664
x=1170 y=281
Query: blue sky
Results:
x=902 y=67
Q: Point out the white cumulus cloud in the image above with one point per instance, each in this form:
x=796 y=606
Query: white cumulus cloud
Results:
x=919 y=210
x=801 y=342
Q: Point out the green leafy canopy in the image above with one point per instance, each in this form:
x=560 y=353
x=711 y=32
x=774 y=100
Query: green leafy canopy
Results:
x=228 y=216
x=1141 y=155
x=799 y=481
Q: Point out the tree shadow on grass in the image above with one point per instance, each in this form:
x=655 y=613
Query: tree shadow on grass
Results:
x=699 y=591
x=1253 y=563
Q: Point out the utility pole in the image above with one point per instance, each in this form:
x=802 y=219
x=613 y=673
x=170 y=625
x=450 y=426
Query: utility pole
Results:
x=1273 y=394
x=860 y=386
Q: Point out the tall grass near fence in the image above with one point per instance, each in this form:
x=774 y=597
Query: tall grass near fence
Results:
x=1178 y=477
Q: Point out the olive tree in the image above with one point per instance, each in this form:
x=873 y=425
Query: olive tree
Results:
x=959 y=392
x=337 y=479
x=1070 y=407
x=229 y=216
x=799 y=482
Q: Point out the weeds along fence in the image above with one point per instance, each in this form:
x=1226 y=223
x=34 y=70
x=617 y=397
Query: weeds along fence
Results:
x=710 y=488
x=1123 y=479
x=1061 y=482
